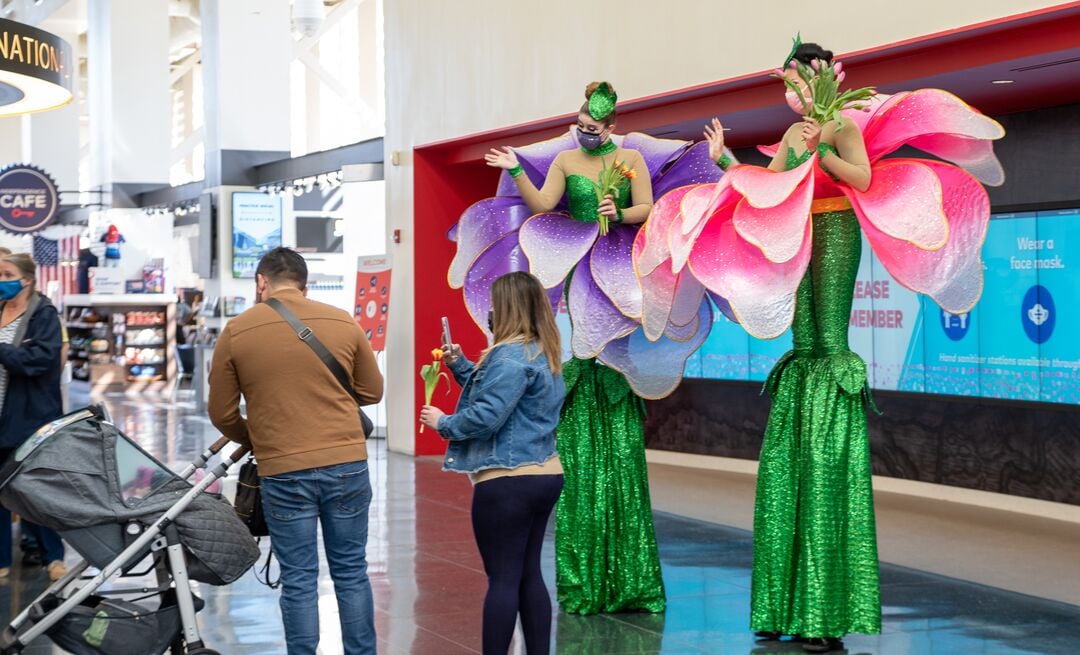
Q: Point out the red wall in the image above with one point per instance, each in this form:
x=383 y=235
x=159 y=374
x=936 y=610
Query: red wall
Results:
x=449 y=176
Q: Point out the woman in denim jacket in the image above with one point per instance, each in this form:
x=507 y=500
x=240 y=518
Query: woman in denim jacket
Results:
x=503 y=436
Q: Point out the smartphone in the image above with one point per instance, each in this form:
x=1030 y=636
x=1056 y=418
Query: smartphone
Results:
x=446 y=331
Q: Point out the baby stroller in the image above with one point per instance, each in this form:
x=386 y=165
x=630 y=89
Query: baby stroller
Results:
x=117 y=507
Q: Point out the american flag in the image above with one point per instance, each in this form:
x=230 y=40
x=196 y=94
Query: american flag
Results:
x=57 y=261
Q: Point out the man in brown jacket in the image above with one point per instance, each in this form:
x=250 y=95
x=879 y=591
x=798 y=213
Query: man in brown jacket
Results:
x=305 y=431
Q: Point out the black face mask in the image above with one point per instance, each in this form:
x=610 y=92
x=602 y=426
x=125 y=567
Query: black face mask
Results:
x=491 y=321
x=588 y=140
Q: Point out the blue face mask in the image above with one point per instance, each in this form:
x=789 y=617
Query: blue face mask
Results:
x=10 y=288
x=588 y=140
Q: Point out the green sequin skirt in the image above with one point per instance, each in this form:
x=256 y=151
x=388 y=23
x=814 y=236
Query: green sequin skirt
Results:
x=815 y=569
x=605 y=544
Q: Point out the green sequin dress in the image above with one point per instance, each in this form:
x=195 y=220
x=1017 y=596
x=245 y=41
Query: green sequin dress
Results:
x=815 y=568
x=606 y=558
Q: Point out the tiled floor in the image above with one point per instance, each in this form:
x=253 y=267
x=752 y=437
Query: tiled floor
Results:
x=429 y=584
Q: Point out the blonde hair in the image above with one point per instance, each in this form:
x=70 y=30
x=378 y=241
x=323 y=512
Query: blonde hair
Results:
x=25 y=265
x=522 y=314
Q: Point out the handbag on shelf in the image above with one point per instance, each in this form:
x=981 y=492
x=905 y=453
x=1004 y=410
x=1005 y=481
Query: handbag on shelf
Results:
x=308 y=336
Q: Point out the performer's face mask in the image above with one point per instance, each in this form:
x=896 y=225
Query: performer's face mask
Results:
x=591 y=141
x=793 y=101
x=10 y=288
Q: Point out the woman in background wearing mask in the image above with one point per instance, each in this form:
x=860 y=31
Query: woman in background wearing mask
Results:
x=503 y=436
x=606 y=555
x=30 y=345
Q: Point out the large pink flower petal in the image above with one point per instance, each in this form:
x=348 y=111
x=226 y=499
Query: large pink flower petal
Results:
x=596 y=322
x=778 y=230
x=976 y=156
x=761 y=293
x=480 y=226
x=651 y=245
x=701 y=205
x=951 y=275
x=904 y=202
x=926 y=111
x=657 y=296
x=766 y=188
x=689 y=293
x=654 y=368
x=613 y=269
x=554 y=243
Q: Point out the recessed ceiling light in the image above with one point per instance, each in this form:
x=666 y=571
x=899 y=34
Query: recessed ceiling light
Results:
x=1002 y=81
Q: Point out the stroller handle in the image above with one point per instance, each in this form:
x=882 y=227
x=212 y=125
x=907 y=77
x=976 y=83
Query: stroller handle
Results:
x=218 y=445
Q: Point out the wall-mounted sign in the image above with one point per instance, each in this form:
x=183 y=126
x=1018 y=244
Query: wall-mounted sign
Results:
x=29 y=200
x=256 y=229
x=373 y=298
x=35 y=69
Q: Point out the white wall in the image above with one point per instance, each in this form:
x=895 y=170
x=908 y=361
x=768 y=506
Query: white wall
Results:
x=455 y=68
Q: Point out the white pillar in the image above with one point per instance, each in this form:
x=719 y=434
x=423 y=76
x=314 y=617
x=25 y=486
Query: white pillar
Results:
x=128 y=56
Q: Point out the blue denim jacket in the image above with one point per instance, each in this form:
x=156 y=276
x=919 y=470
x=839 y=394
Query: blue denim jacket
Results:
x=507 y=413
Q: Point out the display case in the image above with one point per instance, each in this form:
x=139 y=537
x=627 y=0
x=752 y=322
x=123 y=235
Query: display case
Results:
x=122 y=342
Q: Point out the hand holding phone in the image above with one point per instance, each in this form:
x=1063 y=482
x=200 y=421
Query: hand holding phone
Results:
x=446 y=331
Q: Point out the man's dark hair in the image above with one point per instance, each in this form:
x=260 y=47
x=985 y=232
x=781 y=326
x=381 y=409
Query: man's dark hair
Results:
x=282 y=265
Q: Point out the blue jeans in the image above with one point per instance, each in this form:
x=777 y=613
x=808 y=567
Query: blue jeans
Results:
x=295 y=503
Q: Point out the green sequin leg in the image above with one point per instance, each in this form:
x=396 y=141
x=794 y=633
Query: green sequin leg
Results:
x=815 y=551
x=605 y=545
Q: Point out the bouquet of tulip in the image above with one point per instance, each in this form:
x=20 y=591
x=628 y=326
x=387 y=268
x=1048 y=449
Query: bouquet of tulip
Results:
x=431 y=373
x=611 y=182
x=823 y=80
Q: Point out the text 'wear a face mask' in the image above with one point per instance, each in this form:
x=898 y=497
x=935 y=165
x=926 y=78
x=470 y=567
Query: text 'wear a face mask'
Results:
x=10 y=288
x=590 y=141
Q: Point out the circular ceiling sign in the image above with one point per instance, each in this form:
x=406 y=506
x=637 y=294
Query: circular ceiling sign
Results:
x=29 y=200
x=35 y=69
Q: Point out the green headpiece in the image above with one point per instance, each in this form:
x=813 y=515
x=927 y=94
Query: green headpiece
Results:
x=796 y=42
x=602 y=102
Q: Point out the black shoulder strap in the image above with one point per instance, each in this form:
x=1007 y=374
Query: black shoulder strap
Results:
x=307 y=336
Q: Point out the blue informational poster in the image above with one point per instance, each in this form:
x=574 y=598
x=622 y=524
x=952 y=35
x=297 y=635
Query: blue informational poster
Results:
x=1016 y=344
x=1050 y=314
x=256 y=229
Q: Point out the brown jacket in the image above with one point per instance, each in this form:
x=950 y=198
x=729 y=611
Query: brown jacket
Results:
x=298 y=415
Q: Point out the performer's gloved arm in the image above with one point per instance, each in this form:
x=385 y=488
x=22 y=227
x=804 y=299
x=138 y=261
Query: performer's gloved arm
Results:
x=852 y=165
x=640 y=193
x=546 y=198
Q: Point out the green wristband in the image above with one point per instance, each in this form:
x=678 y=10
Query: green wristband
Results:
x=724 y=162
x=618 y=215
x=517 y=170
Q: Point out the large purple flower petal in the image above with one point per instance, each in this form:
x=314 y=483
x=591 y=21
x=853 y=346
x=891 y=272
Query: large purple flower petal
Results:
x=613 y=269
x=655 y=368
x=723 y=305
x=655 y=152
x=694 y=167
x=481 y=226
x=536 y=160
x=503 y=257
x=554 y=243
x=596 y=322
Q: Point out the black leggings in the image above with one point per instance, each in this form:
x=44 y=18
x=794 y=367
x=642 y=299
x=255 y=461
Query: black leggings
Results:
x=509 y=517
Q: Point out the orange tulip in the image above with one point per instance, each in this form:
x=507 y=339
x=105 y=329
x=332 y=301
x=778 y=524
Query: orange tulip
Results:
x=629 y=173
x=437 y=354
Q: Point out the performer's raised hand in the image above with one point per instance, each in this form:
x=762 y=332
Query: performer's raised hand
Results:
x=811 y=132
x=501 y=158
x=714 y=134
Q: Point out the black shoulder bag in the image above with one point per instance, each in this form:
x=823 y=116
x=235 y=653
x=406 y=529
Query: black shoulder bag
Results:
x=308 y=337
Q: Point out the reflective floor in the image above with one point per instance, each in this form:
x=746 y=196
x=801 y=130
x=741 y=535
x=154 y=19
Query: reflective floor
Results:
x=429 y=585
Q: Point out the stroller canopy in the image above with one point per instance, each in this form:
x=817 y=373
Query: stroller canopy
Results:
x=81 y=472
